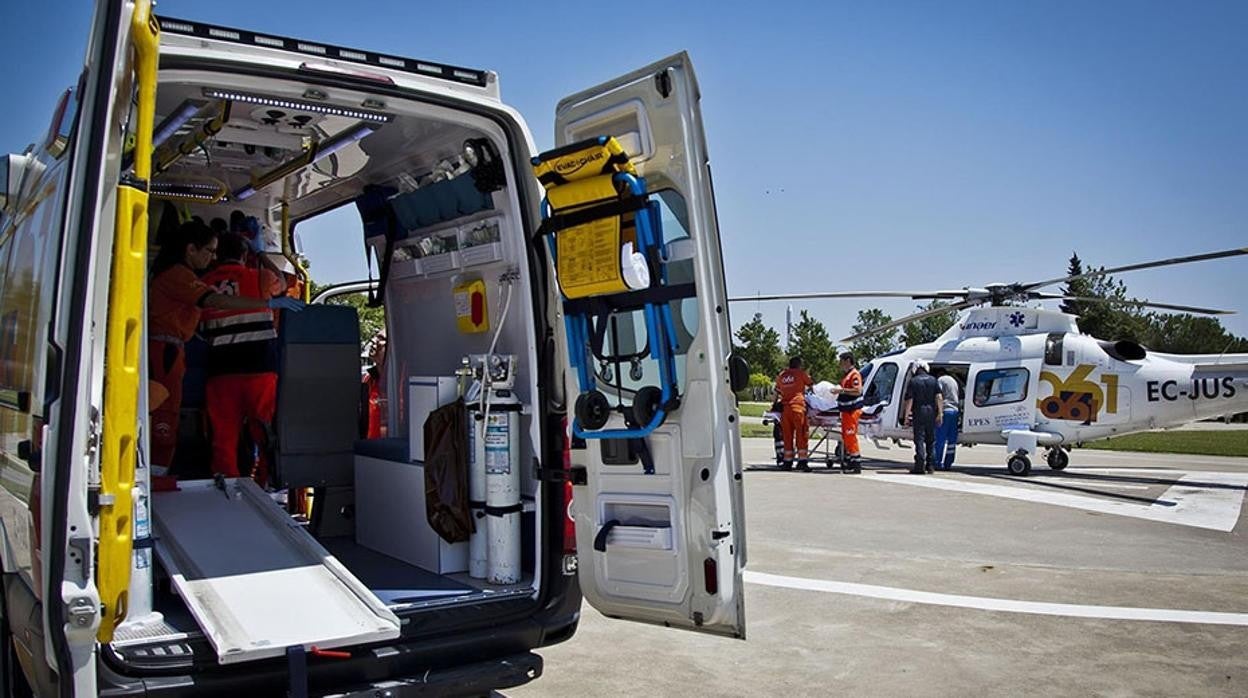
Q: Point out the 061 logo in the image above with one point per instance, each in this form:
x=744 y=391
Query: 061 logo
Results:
x=1076 y=398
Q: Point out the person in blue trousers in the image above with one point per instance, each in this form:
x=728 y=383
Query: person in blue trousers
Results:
x=947 y=431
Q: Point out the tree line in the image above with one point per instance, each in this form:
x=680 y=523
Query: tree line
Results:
x=1109 y=317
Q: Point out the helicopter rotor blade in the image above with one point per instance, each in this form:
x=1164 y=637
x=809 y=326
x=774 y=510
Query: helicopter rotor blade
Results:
x=952 y=307
x=1147 y=304
x=914 y=295
x=1135 y=267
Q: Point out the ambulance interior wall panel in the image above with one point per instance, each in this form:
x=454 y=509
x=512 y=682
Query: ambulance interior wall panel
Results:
x=424 y=340
x=391 y=516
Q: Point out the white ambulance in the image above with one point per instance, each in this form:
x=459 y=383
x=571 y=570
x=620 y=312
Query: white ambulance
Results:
x=111 y=588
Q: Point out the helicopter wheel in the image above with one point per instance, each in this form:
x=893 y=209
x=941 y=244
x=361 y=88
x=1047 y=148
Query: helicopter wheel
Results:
x=1057 y=458
x=1019 y=464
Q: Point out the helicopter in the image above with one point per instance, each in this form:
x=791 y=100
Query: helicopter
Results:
x=1032 y=380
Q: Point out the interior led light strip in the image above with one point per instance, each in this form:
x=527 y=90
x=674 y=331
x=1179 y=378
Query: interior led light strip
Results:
x=479 y=78
x=188 y=190
x=363 y=115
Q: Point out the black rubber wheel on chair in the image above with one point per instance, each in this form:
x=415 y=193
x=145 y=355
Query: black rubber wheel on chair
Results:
x=593 y=409
x=646 y=404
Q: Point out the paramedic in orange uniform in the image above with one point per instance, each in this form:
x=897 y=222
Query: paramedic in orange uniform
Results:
x=242 y=358
x=373 y=403
x=792 y=384
x=175 y=300
x=849 y=404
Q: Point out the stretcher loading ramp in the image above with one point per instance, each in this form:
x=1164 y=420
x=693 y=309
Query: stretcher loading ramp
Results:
x=254 y=580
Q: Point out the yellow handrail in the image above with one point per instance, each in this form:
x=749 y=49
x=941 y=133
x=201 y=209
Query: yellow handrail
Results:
x=124 y=340
x=288 y=251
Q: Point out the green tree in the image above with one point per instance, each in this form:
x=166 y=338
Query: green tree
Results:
x=811 y=343
x=759 y=345
x=372 y=320
x=1190 y=334
x=872 y=345
x=1075 y=287
x=928 y=329
x=760 y=388
x=1165 y=332
x=1103 y=318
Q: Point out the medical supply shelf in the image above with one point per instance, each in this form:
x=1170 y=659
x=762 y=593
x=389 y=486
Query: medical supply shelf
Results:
x=463 y=237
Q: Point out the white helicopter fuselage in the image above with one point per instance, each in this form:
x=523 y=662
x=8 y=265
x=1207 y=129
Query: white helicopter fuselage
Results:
x=1029 y=371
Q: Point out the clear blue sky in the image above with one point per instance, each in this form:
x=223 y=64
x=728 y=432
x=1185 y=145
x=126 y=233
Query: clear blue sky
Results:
x=855 y=146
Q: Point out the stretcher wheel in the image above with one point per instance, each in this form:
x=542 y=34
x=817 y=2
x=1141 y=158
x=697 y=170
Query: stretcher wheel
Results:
x=838 y=457
x=646 y=404
x=593 y=409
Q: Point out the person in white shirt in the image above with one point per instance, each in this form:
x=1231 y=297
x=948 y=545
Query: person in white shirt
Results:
x=947 y=431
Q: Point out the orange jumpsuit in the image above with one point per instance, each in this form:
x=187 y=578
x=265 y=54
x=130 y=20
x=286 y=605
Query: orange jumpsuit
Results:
x=851 y=408
x=175 y=302
x=242 y=369
x=792 y=384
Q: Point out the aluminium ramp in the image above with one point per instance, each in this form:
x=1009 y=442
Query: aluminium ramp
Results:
x=256 y=582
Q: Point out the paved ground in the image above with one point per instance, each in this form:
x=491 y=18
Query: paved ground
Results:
x=1156 y=533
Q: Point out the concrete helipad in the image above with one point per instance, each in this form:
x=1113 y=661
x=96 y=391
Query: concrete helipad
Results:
x=1126 y=574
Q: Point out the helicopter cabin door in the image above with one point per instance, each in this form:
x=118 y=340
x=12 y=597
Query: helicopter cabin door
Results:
x=999 y=396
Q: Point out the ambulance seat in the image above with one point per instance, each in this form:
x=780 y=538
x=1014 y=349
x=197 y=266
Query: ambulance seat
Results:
x=318 y=392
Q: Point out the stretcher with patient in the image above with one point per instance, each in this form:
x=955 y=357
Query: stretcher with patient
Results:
x=823 y=417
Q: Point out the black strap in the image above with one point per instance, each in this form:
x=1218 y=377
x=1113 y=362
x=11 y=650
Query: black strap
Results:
x=476 y=503
x=376 y=299
x=629 y=300
x=297 y=671
x=600 y=540
x=503 y=511
x=641 y=449
x=580 y=216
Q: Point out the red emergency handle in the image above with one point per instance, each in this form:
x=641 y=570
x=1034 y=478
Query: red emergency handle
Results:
x=328 y=654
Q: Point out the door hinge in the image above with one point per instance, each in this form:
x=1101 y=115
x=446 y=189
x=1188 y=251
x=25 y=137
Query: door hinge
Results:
x=663 y=82
x=81 y=611
x=93 y=434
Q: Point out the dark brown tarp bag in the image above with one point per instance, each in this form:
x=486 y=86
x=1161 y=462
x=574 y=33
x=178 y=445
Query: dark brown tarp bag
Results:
x=446 y=472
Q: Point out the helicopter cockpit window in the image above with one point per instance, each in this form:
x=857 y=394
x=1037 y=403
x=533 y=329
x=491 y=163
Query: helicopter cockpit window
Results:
x=1000 y=386
x=623 y=335
x=880 y=389
x=1053 y=349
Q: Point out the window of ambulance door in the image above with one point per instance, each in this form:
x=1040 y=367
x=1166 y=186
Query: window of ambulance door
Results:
x=627 y=334
x=1000 y=386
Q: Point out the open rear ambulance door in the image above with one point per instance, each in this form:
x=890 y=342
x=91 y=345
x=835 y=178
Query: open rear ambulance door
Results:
x=90 y=442
x=666 y=547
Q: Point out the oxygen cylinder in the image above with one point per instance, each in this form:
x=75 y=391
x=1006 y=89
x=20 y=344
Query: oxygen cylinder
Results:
x=477 y=556
x=500 y=451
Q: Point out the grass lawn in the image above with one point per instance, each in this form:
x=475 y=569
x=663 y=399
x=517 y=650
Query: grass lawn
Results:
x=753 y=409
x=1204 y=443
x=755 y=431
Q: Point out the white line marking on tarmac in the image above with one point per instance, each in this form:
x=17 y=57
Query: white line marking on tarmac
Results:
x=1085 y=483
x=1186 y=503
x=982 y=603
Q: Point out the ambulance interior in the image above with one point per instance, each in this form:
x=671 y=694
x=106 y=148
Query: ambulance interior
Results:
x=437 y=203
